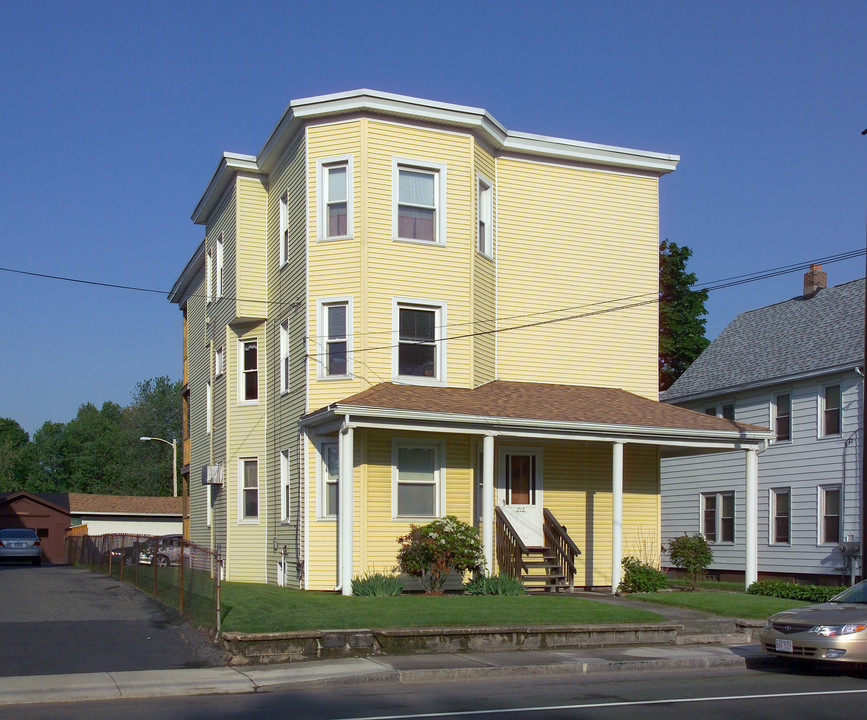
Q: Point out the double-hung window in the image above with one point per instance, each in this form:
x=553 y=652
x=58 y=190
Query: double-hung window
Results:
x=718 y=517
x=419 y=351
x=783 y=416
x=219 y=361
x=335 y=337
x=209 y=280
x=219 y=269
x=417 y=486
x=249 y=390
x=829 y=514
x=329 y=479
x=830 y=419
x=485 y=211
x=284 y=356
x=249 y=472
x=335 y=197
x=284 y=228
x=285 y=487
x=781 y=511
x=209 y=408
x=419 y=201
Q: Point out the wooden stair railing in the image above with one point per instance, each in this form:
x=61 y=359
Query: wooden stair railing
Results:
x=511 y=550
x=561 y=546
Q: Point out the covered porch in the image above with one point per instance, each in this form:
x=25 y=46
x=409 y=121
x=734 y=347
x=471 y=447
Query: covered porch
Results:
x=541 y=456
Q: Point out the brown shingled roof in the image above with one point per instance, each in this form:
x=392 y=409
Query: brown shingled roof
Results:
x=125 y=504
x=539 y=401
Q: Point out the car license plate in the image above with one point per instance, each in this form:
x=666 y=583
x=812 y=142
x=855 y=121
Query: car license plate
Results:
x=783 y=646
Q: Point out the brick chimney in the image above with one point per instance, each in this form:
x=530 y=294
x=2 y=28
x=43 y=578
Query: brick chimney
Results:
x=814 y=280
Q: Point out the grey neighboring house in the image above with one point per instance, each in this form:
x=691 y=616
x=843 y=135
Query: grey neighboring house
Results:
x=795 y=367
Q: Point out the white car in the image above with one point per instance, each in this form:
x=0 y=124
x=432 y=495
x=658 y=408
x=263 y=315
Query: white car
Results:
x=20 y=544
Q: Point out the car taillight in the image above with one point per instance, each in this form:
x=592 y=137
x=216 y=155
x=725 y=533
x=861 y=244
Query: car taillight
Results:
x=36 y=543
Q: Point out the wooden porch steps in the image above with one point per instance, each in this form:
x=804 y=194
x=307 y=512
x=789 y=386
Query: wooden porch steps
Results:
x=543 y=572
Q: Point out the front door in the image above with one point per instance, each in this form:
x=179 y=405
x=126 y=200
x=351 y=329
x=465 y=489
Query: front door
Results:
x=520 y=490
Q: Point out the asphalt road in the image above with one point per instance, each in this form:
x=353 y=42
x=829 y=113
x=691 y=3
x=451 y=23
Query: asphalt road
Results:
x=56 y=619
x=779 y=693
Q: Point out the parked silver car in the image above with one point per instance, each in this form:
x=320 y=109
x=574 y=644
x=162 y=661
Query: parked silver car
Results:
x=835 y=630
x=20 y=544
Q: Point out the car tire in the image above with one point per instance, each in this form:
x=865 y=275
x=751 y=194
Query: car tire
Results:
x=162 y=560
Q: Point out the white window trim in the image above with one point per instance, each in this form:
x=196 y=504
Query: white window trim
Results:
x=439 y=170
x=241 y=371
x=321 y=478
x=820 y=514
x=439 y=477
x=283 y=210
x=820 y=404
x=489 y=224
x=242 y=491
x=322 y=305
x=284 y=355
x=440 y=326
x=772 y=514
x=322 y=167
x=218 y=279
x=285 y=503
x=772 y=421
x=219 y=361
x=209 y=280
x=719 y=494
x=209 y=408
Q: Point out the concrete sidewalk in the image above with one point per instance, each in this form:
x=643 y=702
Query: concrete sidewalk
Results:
x=400 y=669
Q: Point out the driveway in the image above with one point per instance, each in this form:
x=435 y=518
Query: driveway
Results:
x=57 y=619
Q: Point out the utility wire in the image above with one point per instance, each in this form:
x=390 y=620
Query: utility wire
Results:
x=653 y=297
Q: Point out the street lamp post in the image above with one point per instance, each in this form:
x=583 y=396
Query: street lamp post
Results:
x=174 y=444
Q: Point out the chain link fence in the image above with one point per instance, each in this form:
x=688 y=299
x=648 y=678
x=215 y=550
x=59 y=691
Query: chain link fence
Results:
x=178 y=572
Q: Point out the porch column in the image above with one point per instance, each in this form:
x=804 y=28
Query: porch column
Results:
x=344 y=508
x=751 y=566
x=616 y=515
x=488 y=502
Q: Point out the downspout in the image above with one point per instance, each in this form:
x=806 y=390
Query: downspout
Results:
x=345 y=506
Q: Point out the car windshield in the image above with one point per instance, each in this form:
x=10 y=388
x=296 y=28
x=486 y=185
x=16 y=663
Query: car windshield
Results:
x=855 y=594
x=18 y=534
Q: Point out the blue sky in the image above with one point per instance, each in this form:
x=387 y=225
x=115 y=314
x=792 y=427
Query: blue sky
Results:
x=114 y=116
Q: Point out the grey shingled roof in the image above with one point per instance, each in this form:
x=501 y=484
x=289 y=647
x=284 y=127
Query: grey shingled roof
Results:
x=794 y=338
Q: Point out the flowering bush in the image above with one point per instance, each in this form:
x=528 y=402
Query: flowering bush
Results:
x=430 y=552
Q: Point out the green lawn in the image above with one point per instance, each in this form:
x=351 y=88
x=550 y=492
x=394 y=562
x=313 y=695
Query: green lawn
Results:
x=727 y=604
x=267 y=608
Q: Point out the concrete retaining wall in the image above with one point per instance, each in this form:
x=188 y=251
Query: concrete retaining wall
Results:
x=264 y=648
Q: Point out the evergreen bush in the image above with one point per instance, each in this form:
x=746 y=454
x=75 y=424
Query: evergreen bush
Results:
x=641 y=577
x=794 y=591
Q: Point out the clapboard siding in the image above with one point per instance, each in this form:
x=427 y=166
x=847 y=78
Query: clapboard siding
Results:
x=800 y=465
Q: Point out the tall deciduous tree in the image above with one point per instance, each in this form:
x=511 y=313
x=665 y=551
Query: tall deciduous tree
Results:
x=681 y=314
x=14 y=451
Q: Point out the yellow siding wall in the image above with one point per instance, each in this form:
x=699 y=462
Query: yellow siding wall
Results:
x=245 y=560
x=251 y=283
x=601 y=227
x=484 y=281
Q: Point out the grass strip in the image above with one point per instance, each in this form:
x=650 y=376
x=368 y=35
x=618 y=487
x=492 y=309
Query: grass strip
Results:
x=256 y=608
x=726 y=604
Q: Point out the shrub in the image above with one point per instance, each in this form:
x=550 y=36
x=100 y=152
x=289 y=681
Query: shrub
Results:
x=793 y=591
x=690 y=553
x=495 y=585
x=376 y=584
x=641 y=577
x=430 y=552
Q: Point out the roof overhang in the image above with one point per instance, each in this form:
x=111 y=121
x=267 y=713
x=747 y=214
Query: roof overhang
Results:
x=471 y=119
x=195 y=267
x=674 y=441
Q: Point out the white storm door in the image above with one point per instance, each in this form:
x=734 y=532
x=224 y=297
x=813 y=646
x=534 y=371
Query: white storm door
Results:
x=521 y=493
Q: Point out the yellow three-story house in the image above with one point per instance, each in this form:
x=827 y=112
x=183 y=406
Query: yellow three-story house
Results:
x=400 y=311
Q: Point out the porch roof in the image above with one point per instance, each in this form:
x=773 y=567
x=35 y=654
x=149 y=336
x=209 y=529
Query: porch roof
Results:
x=538 y=410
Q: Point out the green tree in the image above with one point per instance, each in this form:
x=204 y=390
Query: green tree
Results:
x=48 y=472
x=681 y=314
x=691 y=553
x=14 y=456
